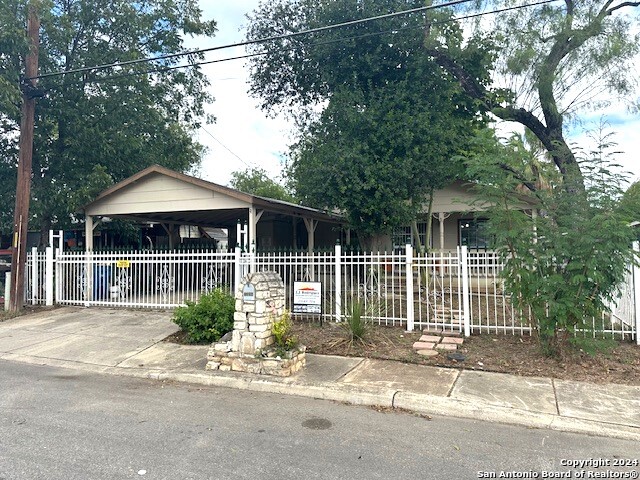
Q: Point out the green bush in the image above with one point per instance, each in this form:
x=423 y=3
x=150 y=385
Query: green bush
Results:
x=564 y=266
x=283 y=337
x=355 y=325
x=208 y=319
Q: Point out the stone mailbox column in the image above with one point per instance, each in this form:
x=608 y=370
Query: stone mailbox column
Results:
x=259 y=303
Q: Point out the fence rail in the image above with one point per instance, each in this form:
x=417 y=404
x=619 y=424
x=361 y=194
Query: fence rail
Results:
x=141 y=279
x=453 y=290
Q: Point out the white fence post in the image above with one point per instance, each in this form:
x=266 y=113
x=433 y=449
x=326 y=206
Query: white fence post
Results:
x=338 y=281
x=34 y=275
x=464 y=267
x=409 y=286
x=58 y=276
x=636 y=290
x=48 y=276
x=7 y=290
x=236 y=267
x=89 y=276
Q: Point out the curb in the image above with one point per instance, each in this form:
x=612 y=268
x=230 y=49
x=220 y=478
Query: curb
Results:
x=358 y=395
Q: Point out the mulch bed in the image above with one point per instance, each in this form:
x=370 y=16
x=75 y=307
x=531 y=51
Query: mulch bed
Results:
x=514 y=354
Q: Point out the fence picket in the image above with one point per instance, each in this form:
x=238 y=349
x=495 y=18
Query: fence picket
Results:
x=451 y=290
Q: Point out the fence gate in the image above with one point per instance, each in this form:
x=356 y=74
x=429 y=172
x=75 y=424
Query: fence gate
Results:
x=440 y=287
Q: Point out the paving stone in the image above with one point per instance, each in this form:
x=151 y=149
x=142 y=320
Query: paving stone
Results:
x=432 y=331
x=447 y=346
x=456 y=340
x=423 y=345
x=429 y=338
x=451 y=333
x=427 y=353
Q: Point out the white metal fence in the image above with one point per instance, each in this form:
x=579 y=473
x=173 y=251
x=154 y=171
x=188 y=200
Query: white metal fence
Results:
x=455 y=291
x=141 y=279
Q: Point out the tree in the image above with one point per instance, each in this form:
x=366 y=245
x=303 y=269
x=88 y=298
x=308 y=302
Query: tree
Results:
x=564 y=265
x=630 y=202
x=378 y=160
x=554 y=60
x=96 y=127
x=256 y=182
x=390 y=122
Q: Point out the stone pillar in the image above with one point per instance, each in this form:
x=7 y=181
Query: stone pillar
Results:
x=259 y=303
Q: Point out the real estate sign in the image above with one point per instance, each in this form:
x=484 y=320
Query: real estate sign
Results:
x=307 y=297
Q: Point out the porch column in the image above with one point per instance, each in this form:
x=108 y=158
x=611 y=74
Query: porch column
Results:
x=88 y=233
x=311 y=225
x=441 y=218
x=254 y=218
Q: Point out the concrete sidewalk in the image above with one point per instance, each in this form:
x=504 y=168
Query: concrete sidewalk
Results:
x=127 y=342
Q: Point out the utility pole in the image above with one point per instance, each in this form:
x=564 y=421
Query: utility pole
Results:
x=23 y=187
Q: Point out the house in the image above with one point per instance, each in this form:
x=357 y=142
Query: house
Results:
x=457 y=220
x=176 y=209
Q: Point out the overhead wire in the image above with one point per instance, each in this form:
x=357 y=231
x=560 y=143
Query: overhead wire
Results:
x=250 y=42
x=251 y=55
x=227 y=148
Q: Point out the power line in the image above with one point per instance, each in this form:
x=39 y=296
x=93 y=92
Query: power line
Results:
x=327 y=42
x=225 y=147
x=251 y=42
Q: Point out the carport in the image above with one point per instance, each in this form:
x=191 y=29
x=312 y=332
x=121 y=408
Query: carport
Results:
x=169 y=198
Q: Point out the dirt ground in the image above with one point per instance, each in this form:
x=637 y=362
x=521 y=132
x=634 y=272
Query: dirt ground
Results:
x=513 y=354
x=495 y=353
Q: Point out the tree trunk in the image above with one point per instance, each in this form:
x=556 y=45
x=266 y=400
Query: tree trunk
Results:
x=45 y=226
x=376 y=242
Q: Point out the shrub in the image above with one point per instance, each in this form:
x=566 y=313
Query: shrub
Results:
x=565 y=264
x=282 y=334
x=208 y=319
x=355 y=324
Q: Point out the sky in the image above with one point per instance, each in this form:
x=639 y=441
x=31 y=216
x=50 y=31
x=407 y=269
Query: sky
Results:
x=243 y=136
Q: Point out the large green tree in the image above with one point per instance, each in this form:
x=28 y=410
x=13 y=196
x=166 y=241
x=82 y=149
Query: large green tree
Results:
x=379 y=159
x=379 y=123
x=256 y=181
x=563 y=265
x=99 y=126
x=553 y=61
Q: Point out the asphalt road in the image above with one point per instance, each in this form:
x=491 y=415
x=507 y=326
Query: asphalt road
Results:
x=64 y=424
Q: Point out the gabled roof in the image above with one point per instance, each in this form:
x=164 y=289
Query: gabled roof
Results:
x=269 y=204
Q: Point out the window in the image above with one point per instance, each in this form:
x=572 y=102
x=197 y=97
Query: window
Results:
x=402 y=235
x=473 y=233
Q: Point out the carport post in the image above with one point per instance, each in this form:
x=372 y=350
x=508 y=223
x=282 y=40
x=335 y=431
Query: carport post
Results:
x=88 y=233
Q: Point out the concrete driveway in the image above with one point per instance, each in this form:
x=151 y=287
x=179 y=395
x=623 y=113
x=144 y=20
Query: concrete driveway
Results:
x=97 y=336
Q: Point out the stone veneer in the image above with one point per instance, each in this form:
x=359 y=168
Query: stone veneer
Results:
x=259 y=302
